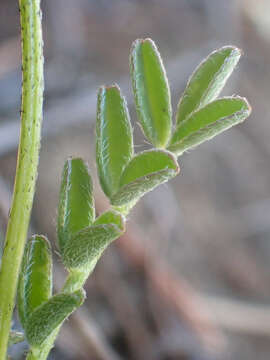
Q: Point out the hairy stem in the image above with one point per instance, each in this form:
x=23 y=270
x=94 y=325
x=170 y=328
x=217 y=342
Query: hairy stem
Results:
x=27 y=162
x=76 y=279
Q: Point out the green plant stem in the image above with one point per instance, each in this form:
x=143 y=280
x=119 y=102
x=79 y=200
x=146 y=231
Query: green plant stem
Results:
x=28 y=156
x=76 y=279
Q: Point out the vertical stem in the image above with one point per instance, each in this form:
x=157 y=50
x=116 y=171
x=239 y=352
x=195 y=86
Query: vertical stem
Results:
x=27 y=162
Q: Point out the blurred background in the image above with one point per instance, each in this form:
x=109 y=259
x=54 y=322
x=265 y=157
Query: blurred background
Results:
x=190 y=280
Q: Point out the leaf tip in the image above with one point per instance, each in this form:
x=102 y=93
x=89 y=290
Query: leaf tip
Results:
x=41 y=238
x=140 y=42
x=246 y=107
x=233 y=51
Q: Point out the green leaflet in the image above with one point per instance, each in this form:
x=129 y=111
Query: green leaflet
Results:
x=48 y=316
x=151 y=91
x=35 y=282
x=207 y=81
x=114 y=139
x=208 y=122
x=87 y=245
x=144 y=172
x=15 y=337
x=76 y=204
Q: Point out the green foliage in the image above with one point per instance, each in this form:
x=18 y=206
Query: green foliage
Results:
x=114 y=142
x=208 y=122
x=124 y=177
x=35 y=281
x=81 y=240
x=48 y=316
x=87 y=245
x=76 y=204
x=111 y=217
x=207 y=81
x=151 y=91
x=143 y=173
